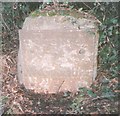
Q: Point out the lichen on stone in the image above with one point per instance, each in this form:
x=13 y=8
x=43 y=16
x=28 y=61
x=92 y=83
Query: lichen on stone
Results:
x=54 y=12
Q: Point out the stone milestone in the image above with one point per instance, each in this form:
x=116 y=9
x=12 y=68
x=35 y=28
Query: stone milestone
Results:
x=57 y=53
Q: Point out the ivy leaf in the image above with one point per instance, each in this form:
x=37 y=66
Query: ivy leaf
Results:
x=108 y=95
x=114 y=21
x=91 y=93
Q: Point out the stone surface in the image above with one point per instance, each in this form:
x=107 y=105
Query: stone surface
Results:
x=57 y=54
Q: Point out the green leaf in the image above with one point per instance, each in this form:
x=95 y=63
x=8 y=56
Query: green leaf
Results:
x=112 y=58
x=105 y=81
x=108 y=94
x=67 y=93
x=110 y=28
x=80 y=9
x=91 y=94
x=117 y=32
x=114 y=21
x=66 y=1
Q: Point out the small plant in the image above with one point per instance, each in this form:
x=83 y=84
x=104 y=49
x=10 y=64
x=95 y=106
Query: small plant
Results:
x=107 y=54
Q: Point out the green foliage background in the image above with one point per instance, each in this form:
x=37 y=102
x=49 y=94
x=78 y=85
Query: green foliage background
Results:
x=14 y=14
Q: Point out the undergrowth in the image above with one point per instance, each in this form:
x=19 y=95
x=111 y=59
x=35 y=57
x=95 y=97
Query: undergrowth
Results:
x=106 y=85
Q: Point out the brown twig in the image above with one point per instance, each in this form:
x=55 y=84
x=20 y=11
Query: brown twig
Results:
x=86 y=5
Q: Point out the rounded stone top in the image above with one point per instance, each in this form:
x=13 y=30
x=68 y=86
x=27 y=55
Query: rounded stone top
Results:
x=58 y=22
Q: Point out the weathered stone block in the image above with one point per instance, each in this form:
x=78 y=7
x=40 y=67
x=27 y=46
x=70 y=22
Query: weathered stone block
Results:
x=57 y=53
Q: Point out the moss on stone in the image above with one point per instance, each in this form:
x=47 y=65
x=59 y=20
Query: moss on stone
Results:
x=54 y=12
